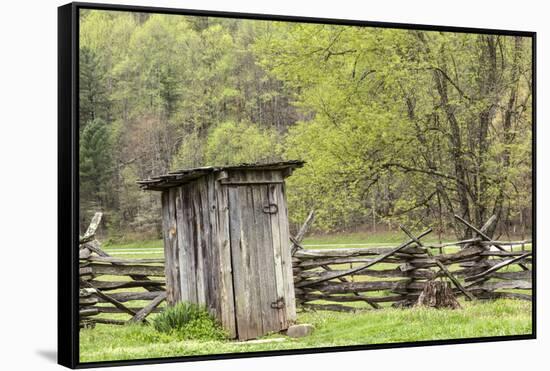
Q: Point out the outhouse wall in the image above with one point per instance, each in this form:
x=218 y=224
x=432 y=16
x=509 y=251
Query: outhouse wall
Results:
x=227 y=248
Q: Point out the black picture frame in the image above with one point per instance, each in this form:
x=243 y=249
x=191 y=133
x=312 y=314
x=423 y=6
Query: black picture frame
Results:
x=68 y=182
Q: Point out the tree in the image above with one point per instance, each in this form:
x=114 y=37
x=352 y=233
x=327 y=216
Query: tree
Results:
x=95 y=168
x=93 y=96
x=237 y=143
x=430 y=111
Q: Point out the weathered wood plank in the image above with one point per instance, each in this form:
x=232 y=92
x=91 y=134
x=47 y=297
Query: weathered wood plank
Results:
x=418 y=273
x=277 y=257
x=330 y=307
x=129 y=296
x=498 y=266
x=316 y=263
x=238 y=258
x=115 y=285
x=351 y=252
x=251 y=229
x=84 y=253
x=496 y=285
x=169 y=233
x=502 y=295
x=465 y=254
x=175 y=201
x=125 y=270
x=84 y=302
x=350 y=298
x=92 y=228
x=140 y=316
x=183 y=218
x=200 y=279
x=121 y=261
x=266 y=266
x=227 y=304
x=109 y=321
x=85 y=271
x=106 y=309
x=331 y=287
x=213 y=251
x=88 y=312
x=521 y=275
x=301 y=232
x=503 y=253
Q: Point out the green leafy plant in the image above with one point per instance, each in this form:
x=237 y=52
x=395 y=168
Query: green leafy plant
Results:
x=189 y=321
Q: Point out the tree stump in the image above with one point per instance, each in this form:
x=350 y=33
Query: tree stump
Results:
x=437 y=294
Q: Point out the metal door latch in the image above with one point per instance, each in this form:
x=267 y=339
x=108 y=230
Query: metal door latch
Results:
x=279 y=304
x=271 y=209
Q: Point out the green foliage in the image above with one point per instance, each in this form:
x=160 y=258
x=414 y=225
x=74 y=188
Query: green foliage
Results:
x=95 y=161
x=395 y=125
x=423 y=108
x=236 y=143
x=190 y=153
x=188 y=321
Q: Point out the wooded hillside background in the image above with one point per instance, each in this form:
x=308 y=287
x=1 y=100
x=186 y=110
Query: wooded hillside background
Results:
x=395 y=125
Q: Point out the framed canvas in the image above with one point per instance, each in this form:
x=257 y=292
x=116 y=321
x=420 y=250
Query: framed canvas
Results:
x=243 y=185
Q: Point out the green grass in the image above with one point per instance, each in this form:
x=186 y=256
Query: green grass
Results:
x=146 y=244
x=497 y=318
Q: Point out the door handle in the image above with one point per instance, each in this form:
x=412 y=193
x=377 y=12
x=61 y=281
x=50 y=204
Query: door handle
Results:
x=270 y=208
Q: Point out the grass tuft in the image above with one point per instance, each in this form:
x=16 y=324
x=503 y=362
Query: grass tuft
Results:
x=188 y=321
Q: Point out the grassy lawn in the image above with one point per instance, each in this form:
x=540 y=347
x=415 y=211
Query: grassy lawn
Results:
x=497 y=318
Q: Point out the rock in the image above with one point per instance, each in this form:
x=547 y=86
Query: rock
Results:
x=299 y=331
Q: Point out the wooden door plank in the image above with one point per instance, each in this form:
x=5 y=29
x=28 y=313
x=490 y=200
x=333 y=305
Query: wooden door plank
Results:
x=286 y=257
x=174 y=251
x=198 y=245
x=213 y=252
x=251 y=229
x=168 y=232
x=182 y=219
x=191 y=244
x=238 y=259
x=277 y=256
x=266 y=266
x=227 y=303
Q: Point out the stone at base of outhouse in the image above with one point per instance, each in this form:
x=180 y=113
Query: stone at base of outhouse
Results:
x=300 y=331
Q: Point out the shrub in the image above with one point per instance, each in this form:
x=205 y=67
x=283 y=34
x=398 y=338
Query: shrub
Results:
x=189 y=321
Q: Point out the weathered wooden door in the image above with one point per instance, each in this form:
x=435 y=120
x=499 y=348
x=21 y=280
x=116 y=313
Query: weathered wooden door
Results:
x=260 y=256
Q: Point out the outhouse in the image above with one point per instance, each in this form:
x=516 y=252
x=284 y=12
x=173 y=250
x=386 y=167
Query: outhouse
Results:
x=226 y=244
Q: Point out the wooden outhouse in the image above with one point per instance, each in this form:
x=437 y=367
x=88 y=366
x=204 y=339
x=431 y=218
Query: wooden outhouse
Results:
x=226 y=244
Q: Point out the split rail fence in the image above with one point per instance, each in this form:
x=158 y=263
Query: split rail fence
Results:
x=109 y=285
x=481 y=269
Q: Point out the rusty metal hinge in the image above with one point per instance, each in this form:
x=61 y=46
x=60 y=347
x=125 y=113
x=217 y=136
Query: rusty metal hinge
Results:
x=279 y=304
x=270 y=208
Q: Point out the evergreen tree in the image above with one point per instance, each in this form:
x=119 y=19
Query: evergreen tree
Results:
x=94 y=102
x=95 y=163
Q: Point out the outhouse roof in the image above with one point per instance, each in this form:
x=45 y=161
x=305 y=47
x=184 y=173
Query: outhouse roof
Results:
x=179 y=177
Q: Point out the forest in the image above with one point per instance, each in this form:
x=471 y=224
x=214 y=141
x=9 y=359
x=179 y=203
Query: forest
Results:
x=396 y=126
